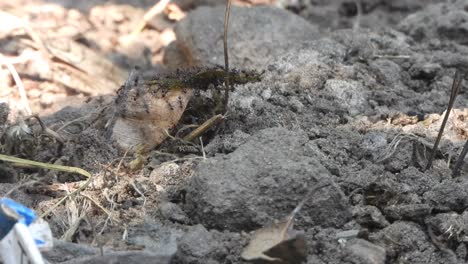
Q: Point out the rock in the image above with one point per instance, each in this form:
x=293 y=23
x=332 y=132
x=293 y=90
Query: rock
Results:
x=200 y=35
x=309 y=65
x=401 y=237
x=364 y=252
x=129 y=257
x=417 y=181
x=449 y=195
x=439 y=21
x=64 y=251
x=172 y=212
x=388 y=71
x=157 y=239
x=264 y=179
x=369 y=216
x=449 y=227
x=199 y=245
x=348 y=93
x=227 y=143
x=413 y=212
x=426 y=71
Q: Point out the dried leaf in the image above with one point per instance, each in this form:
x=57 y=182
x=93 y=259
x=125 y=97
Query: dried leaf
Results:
x=280 y=243
x=174 y=12
x=277 y=243
x=145 y=112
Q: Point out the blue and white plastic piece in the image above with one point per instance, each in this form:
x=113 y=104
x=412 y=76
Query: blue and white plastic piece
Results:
x=22 y=234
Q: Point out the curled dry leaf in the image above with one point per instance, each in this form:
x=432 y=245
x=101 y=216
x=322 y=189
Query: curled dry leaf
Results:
x=278 y=244
x=145 y=112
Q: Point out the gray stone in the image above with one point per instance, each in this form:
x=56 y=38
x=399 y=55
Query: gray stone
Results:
x=264 y=179
x=414 y=212
x=255 y=36
x=447 y=21
x=448 y=227
x=308 y=65
x=128 y=257
x=349 y=93
x=448 y=195
x=369 y=216
x=172 y=211
x=155 y=238
x=64 y=251
x=227 y=143
x=198 y=245
x=198 y=241
x=364 y=252
x=403 y=237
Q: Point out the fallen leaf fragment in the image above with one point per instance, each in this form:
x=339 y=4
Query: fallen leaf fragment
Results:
x=144 y=112
x=174 y=12
x=277 y=243
x=280 y=243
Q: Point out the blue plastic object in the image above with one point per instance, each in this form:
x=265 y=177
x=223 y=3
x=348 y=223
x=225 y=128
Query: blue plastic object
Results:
x=12 y=212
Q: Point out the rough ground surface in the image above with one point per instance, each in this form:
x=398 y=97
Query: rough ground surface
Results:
x=352 y=102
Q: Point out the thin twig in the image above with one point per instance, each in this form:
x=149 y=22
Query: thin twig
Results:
x=49 y=131
x=204 y=127
x=457 y=79
x=226 y=56
x=459 y=162
x=140 y=193
x=202 y=148
x=100 y=207
x=19 y=85
x=357 y=22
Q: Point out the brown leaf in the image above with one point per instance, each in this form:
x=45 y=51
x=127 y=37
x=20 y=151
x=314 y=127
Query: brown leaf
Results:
x=277 y=243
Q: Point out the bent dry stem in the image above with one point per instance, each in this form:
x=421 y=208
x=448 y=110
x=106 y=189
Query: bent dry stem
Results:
x=41 y=165
x=457 y=79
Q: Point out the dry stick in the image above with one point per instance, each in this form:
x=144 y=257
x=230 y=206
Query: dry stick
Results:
x=19 y=84
x=100 y=207
x=357 y=22
x=226 y=55
x=459 y=163
x=203 y=127
x=457 y=79
x=49 y=131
